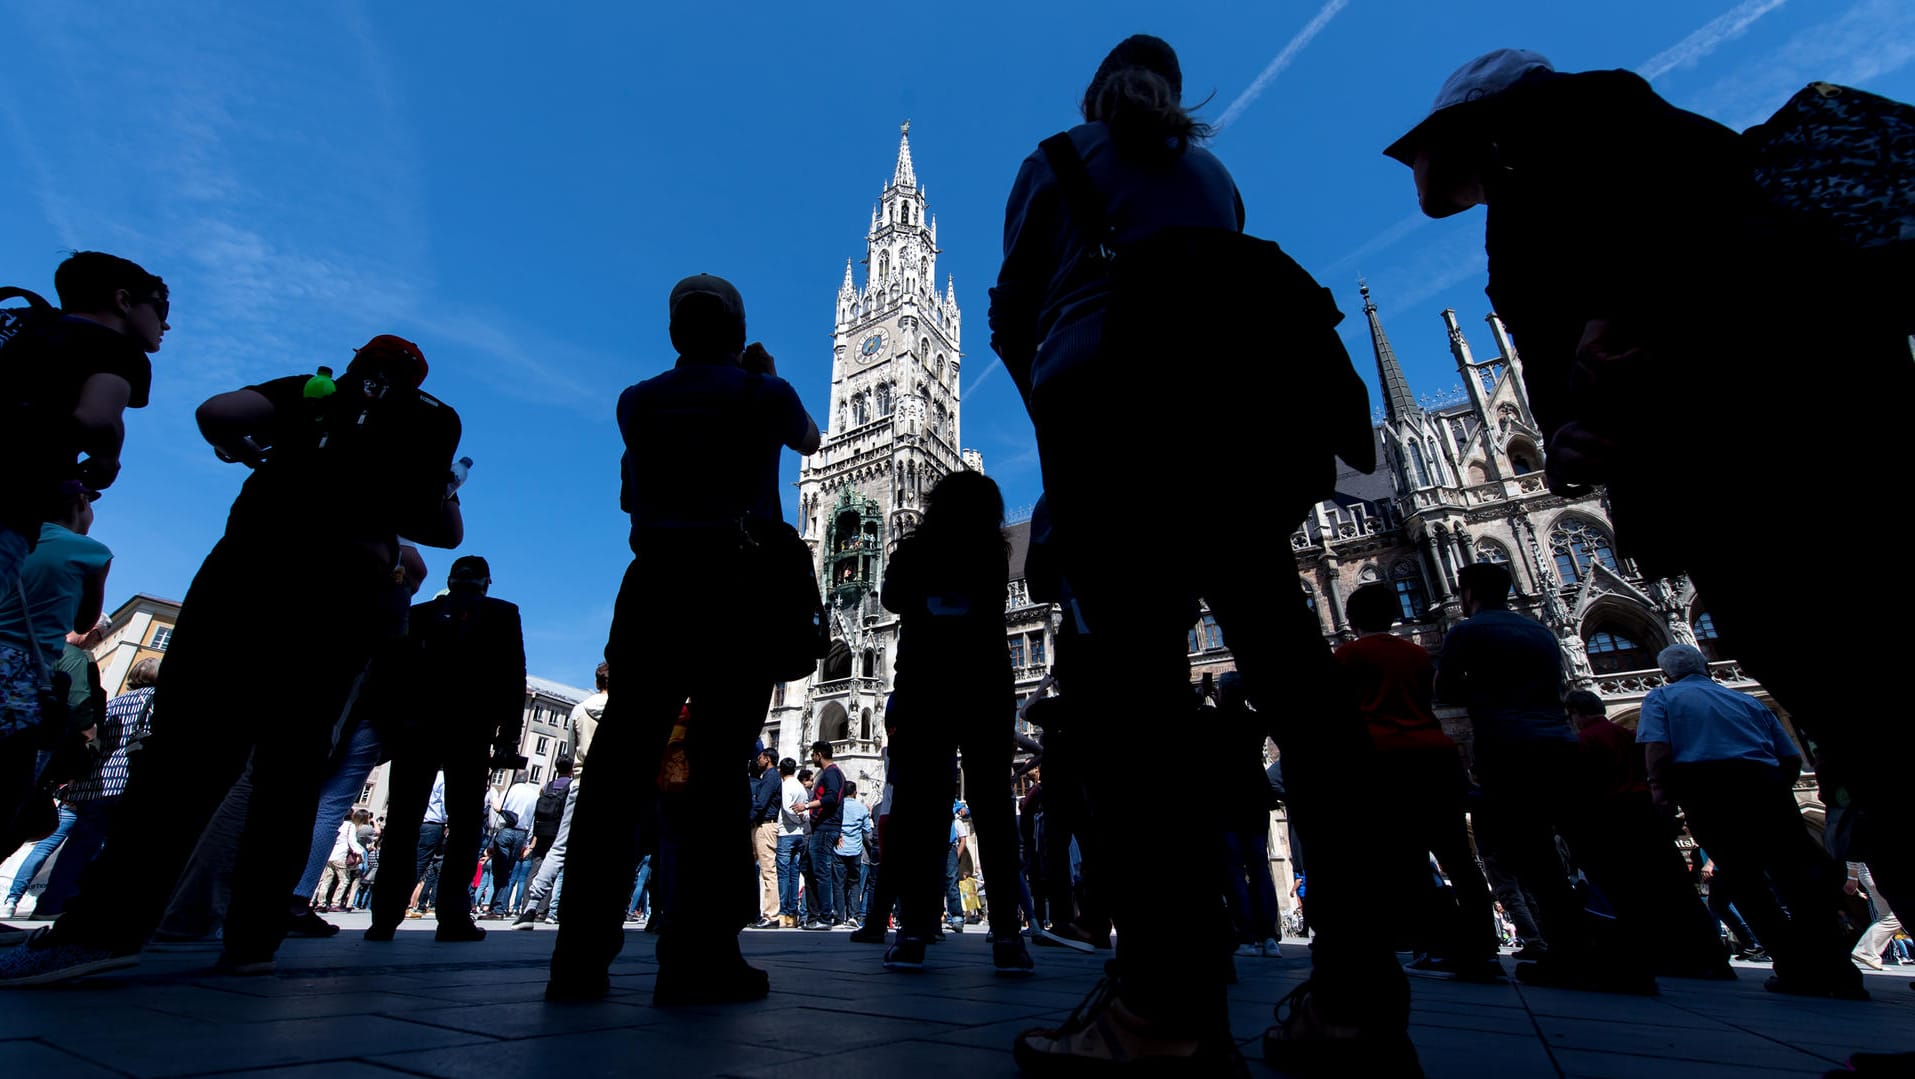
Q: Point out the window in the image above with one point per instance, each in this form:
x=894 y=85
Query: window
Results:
x=1421 y=470
x=1037 y=649
x=162 y=636
x=1309 y=597
x=536 y=769
x=562 y=749
x=1578 y=545
x=365 y=794
x=1191 y=637
x=778 y=695
x=539 y=750
x=1213 y=633
x=1491 y=551
x=1706 y=637
x=1017 y=651
x=1610 y=651
x=1409 y=591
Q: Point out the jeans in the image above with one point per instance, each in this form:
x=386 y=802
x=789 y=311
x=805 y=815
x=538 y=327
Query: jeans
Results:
x=790 y=851
x=83 y=844
x=414 y=766
x=828 y=870
x=850 y=874
x=506 y=845
x=953 y=896
x=1249 y=890
x=37 y=857
x=544 y=893
x=354 y=758
x=641 y=899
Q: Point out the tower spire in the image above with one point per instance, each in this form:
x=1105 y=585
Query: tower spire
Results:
x=904 y=173
x=1398 y=402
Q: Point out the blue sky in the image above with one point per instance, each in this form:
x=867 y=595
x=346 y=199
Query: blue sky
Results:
x=517 y=189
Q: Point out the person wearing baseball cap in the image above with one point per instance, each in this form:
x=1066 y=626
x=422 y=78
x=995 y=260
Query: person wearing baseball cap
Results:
x=337 y=475
x=703 y=443
x=1664 y=310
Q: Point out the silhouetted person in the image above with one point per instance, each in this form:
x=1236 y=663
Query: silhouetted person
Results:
x=1090 y=341
x=946 y=582
x=1419 y=772
x=456 y=704
x=337 y=477
x=1727 y=761
x=702 y=444
x=1634 y=259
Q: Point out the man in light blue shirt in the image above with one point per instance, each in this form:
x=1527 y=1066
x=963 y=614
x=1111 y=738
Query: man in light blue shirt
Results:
x=1726 y=759
x=850 y=850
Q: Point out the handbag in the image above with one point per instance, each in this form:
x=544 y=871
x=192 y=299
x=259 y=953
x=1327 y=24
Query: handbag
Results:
x=1840 y=159
x=792 y=634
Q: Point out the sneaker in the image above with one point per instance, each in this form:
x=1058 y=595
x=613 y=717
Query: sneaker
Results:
x=526 y=920
x=415 y=914
x=1249 y=950
x=906 y=954
x=1304 y=1041
x=233 y=966
x=870 y=934
x=551 y=919
x=817 y=923
x=9 y=909
x=853 y=924
x=307 y=923
x=1103 y=1035
x=38 y=960
x=765 y=923
x=1056 y=939
x=1270 y=949
x=1011 y=959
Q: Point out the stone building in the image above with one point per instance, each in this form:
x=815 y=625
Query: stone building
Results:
x=891 y=433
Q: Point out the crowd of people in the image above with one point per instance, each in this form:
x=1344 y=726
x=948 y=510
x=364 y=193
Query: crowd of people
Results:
x=1548 y=815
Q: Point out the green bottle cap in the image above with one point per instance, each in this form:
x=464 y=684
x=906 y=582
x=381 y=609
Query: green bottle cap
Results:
x=321 y=384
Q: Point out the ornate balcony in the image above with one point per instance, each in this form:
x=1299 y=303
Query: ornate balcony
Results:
x=1727 y=672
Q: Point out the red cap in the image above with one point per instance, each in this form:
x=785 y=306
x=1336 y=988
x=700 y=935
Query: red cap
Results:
x=397 y=351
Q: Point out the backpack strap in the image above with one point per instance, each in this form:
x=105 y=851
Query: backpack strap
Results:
x=34 y=300
x=1080 y=193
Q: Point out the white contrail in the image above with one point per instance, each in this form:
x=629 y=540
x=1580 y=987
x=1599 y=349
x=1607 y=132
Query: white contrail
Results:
x=1283 y=59
x=1713 y=34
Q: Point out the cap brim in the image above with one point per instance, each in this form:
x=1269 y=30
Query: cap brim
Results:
x=1404 y=149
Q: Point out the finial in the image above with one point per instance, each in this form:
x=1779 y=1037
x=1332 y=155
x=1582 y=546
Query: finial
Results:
x=905 y=128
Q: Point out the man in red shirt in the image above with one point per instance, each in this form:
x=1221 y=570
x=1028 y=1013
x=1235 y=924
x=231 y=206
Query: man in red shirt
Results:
x=1418 y=769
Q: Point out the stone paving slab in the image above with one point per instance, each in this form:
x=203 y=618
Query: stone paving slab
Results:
x=344 y=1007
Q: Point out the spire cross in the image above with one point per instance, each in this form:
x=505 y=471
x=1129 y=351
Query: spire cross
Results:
x=905 y=128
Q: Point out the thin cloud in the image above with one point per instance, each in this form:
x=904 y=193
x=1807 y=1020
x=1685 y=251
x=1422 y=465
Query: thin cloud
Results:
x=1389 y=237
x=1283 y=60
x=981 y=376
x=1712 y=35
x=1870 y=39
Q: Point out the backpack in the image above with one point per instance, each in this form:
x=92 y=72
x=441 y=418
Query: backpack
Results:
x=551 y=807
x=1839 y=160
x=1284 y=339
x=14 y=320
x=16 y=411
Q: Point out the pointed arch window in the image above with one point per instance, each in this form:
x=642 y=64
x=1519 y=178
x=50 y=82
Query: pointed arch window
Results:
x=1578 y=545
x=1611 y=651
x=884 y=264
x=1706 y=637
x=924 y=348
x=884 y=399
x=1419 y=468
x=1491 y=551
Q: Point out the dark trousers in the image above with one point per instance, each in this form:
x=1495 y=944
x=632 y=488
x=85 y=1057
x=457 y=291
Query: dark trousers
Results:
x=1744 y=814
x=1631 y=857
x=942 y=722
x=851 y=895
x=1134 y=677
x=207 y=719
x=506 y=845
x=707 y=903
x=1249 y=890
x=1426 y=788
x=827 y=869
x=415 y=764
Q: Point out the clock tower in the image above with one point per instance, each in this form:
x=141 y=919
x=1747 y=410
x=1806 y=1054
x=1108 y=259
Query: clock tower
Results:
x=891 y=433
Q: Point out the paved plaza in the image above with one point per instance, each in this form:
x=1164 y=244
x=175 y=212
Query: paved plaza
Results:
x=344 y=1007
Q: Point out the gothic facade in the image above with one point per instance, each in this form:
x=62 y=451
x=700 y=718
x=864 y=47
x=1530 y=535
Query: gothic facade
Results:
x=892 y=432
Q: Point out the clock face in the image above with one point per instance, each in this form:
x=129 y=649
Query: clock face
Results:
x=871 y=348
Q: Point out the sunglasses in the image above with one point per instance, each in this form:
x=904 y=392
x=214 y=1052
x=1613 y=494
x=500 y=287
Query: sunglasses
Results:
x=160 y=306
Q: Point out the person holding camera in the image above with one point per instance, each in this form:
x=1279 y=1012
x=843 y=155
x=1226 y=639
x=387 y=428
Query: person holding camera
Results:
x=460 y=710
x=339 y=471
x=702 y=448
